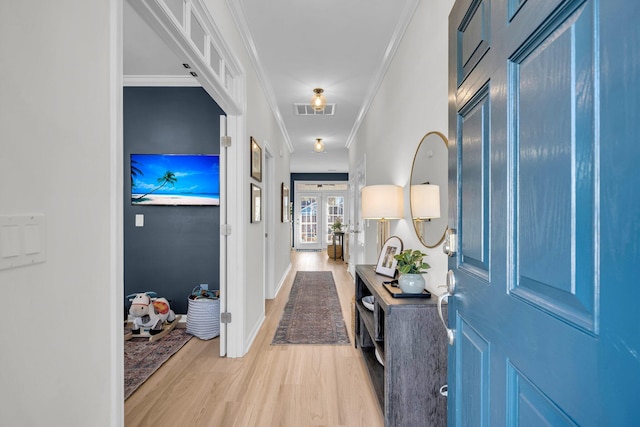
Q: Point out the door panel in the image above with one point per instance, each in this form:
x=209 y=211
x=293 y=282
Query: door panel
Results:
x=335 y=209
x=524 y=180
x=472 y=353
x=474 y=181
x=307 y=221
x=528 y=405
x=554 y=200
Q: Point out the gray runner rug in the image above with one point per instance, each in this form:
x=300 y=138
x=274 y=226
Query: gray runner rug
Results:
x=312 y=314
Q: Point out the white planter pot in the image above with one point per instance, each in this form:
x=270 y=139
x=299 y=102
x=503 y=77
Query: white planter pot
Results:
x=411 y=283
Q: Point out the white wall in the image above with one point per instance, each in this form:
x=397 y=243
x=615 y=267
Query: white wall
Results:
x=261 y=124
x=412 y=101
x=59 y=156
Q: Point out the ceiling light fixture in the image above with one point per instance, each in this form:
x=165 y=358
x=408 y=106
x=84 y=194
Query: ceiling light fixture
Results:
x=318 y=146
x=318 y=102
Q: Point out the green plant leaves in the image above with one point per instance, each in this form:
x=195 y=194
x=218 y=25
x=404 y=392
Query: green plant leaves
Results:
x=410 y=262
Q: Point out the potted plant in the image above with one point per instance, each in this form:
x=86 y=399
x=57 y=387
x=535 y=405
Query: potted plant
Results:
x=337 y=225
x=335 y=251
x=411 y=267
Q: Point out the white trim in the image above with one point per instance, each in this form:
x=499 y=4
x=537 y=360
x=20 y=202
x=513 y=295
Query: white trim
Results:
x=272 y=193
x=237 y=217
x=224 y=239
x=116 y=244
x=282 y=279
x=176 y=36
x=238 y=15
x=163 y=81
x=254 y=333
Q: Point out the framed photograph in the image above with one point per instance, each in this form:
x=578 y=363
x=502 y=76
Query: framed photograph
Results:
x=256 y=161
x=386 y=262
x=284 y=205
x=256 y=203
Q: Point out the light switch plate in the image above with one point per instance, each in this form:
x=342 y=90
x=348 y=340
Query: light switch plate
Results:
x=139 y=220
x=22 y=240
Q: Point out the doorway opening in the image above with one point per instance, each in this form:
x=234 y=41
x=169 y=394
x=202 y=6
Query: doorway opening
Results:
x=318 y=206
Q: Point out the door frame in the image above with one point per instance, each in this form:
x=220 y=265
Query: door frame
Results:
x=317 y=245
x=322 y=214
x=356 y=226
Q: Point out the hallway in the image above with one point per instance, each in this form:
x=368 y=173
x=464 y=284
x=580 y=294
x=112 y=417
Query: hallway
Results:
x=294 y=385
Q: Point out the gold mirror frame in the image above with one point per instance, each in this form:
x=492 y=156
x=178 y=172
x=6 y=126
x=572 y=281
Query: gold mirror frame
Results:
x=430 y=164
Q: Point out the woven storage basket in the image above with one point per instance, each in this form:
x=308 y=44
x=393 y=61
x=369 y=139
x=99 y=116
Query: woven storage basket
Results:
x=334 y=251
x=203 y=318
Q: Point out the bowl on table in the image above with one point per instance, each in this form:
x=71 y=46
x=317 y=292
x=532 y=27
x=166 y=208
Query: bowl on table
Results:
x=368 y=302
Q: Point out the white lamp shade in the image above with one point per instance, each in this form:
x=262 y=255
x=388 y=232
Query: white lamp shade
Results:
x=382 y=201
x=425 y=201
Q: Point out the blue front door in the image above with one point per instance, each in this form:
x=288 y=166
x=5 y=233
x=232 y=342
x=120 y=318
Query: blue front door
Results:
x=544 y=196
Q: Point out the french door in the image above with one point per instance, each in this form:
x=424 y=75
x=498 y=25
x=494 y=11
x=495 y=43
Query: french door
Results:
x=308 y=231
x=315 y=213
x=543 y=196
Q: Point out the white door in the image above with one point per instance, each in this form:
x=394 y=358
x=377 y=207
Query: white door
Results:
x=335 y=209
x=308 y=233
x=224 y=157
x=356 y=229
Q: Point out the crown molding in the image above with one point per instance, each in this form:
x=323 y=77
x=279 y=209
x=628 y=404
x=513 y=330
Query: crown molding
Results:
x=237 y=12
x=148 y=80
x=376 y=81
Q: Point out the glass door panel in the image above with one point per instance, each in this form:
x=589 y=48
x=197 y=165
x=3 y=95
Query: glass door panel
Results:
x=307 y=222
x=334 y=208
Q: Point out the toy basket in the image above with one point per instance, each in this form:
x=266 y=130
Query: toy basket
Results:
x=203 y=316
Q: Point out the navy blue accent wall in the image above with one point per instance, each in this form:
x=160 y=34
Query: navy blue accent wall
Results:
x=178 y=247
x=325 y=177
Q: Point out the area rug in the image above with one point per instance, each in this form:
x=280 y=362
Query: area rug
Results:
x=312 y=314
x=142 y=358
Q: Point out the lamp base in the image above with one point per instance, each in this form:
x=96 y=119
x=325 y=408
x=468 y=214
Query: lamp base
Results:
x=383 y=234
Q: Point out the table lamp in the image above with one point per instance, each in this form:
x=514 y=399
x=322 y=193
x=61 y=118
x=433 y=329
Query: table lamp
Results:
x=382 y=202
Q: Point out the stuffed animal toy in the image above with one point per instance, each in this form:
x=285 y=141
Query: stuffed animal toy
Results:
x=149 y=313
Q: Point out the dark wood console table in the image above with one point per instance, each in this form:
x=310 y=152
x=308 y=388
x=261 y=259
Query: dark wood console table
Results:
x=410 y=340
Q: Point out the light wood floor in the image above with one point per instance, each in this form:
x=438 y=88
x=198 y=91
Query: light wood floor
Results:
x=290 y=385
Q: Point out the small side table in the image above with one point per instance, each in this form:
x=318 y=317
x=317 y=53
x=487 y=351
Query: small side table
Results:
x=338 y=239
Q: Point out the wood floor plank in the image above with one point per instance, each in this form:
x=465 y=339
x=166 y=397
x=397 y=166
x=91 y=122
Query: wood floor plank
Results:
x=283 y=385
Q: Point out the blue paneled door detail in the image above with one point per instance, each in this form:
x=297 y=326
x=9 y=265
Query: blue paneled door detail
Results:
x=544 y=197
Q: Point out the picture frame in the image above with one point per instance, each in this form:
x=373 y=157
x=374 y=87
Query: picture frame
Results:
x=256 y=203
x=284 y=205
x=256 y=160
x=386 y=261
x=162 y=179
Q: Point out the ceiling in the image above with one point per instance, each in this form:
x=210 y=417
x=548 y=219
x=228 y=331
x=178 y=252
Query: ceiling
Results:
x=342 y=46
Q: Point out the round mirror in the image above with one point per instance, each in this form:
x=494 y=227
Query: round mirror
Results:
x=428 y=196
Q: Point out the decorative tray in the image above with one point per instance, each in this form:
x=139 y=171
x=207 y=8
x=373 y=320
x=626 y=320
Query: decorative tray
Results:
x=396 y=292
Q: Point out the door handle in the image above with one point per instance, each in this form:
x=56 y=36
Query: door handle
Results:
x=450 y=246
x=451 y=286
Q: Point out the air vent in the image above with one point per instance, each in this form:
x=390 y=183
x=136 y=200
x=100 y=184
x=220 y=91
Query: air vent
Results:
x=306 y=110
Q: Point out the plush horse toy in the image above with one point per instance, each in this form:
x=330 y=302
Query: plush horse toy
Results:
x=150 y=315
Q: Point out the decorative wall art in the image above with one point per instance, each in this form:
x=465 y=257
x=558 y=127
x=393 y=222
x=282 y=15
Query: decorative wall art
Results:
x=256 y=203
x=284 y=205
x=175 y=179
x=256 y=160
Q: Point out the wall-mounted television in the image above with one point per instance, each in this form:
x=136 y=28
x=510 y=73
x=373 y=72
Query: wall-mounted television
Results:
x=175 y=179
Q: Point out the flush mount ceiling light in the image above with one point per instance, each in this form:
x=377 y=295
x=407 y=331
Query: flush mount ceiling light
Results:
x=318 y=146
x=318 y=101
